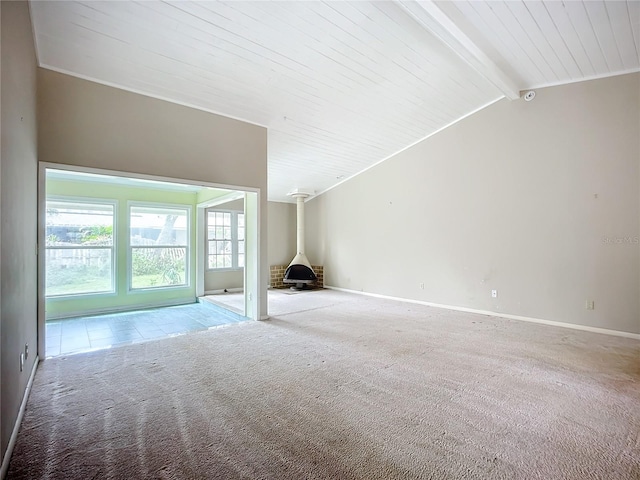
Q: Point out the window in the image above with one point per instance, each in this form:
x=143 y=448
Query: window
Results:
x=79 y=248
x=225 y=240
x=159 y=243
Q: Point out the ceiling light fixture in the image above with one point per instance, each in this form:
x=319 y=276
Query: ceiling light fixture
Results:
x=530 y=95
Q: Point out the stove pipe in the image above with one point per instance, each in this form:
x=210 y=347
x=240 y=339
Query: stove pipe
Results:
x=299 y=271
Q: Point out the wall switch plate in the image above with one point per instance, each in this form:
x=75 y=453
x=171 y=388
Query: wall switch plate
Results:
x=421 y=286
x=591 y=305
x=494 y=293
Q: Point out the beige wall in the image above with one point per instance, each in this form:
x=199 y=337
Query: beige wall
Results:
x=231 y=279
x=282 y=233
x=86 y=124
x=538 y=200
x=18 y=174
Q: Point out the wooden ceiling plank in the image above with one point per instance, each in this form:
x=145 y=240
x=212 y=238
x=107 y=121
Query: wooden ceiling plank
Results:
x=305 y=79
x=426 y=55
x=110 y=53
x=570 y=36
x=111 y=70
x=462 y=81
x=393 y=61
x=582 y=25
x=292 y=65
x=508 y=19
x=429 y=15
x=335 y=50
x=601 y=24
x=633 y=8
x=353 y=71
x=500 y=33
x=539 y=39
x=197 y=61
x=477 y=19
x=621 y=25
x=548 y=26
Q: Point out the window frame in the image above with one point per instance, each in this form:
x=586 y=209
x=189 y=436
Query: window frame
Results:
x=234 y=240
x=188 y=247
x=75 y=200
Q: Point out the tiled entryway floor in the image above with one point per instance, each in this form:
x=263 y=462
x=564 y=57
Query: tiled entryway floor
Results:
x=75 y=335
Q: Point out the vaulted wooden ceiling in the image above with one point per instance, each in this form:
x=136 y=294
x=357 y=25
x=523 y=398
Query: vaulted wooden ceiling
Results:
x=340 y=85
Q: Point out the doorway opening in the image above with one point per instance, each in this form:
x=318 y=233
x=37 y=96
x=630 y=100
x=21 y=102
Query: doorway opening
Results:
x=112 y=242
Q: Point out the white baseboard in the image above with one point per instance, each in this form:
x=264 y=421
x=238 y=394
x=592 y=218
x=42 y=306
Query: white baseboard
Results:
x=16 y=427
x=574 y=326
x=225 y=290
x=119 y=309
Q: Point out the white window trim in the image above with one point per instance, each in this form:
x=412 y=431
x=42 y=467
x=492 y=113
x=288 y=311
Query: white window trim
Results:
x=176 y=206
x=114 y=250
x=234 y=240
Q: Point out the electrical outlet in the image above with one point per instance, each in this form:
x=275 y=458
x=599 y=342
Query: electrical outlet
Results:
x=26 y=351
x=421 y=286
x=21 y=361
x=494 y=293
x=591 y=305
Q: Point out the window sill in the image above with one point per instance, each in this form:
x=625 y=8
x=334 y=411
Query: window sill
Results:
x=163 y=288
x=79 y=296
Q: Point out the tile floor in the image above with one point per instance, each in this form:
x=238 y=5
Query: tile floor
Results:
x=75 y=335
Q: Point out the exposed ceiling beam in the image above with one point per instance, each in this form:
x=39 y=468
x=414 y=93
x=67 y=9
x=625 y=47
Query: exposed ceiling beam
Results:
x=429 y=16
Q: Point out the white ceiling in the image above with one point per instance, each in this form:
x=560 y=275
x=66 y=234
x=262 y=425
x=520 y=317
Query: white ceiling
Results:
x=340 y=85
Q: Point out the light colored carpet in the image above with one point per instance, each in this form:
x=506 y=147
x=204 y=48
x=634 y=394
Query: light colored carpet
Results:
x=279 y=303
x=230 y=301
x=343 y=387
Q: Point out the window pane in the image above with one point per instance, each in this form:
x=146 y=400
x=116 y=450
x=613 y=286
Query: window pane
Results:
x=70 y=224
x=158 y=267
x=223 y=247
x=222 y=261
x=158 y=226
x=72 y=271
x=221 y=239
